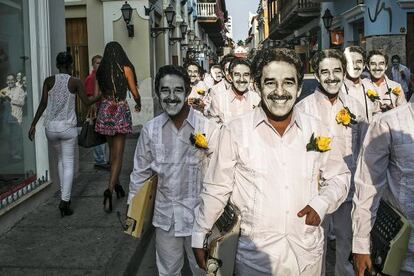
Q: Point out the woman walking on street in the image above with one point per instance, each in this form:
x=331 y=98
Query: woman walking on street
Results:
x=115 y=76
x=58 y=96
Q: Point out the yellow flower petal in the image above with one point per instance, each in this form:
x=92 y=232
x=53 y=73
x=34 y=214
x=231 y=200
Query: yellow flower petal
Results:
x=396 y=91
x=323 y=143
x=200 y=140
x=343 y=117
x=372 y=93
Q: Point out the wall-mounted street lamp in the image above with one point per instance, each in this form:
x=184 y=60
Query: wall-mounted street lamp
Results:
x=183 y=30
x=169 y=13
x=127 y=15
x=327 y=23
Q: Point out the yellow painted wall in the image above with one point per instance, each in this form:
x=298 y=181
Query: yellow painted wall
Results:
x=75 y=11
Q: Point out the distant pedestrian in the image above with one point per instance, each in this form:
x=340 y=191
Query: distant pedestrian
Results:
x=401 y=74
x=58 y=96
x=115 y=76
x=99 y=152
x=198 y=87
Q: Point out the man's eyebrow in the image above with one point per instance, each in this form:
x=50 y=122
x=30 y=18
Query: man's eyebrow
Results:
x=269 y=79
x=290 y=79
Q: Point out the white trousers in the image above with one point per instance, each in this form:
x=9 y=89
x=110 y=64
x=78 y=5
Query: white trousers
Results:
x=313 y=270
x=63 y=145
x=342 y=224
x=170 y=253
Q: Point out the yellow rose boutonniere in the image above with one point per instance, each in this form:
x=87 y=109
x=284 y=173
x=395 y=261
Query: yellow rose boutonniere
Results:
x=201 y=91
x=396 y=91
x=345 y=117
x=199 y=140
x=319 y=143
x=372 y=95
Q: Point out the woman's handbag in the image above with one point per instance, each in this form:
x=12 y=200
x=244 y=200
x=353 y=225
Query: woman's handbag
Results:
x=88 y=137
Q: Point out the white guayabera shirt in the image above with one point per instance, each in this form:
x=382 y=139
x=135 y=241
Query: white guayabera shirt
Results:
x=348 y=139
x=270 y=178
x=168 y=152
x=225 y=106
x=359 y=92
x=382 y=90
x=386 y=166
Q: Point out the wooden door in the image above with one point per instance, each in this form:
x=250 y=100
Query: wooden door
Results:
x=77 y=45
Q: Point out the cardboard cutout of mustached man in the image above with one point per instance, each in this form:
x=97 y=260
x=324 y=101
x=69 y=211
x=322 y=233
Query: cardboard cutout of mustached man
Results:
x=389 y=93
x=275 y=164
x=176 y=146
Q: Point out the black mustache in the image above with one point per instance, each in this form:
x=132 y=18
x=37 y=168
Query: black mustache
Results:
x=171 y=101
x=275 y=97
x=377 y=70
x=332 y=81
x=242 y=82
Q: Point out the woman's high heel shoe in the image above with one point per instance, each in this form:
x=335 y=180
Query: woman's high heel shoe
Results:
x=119 y=191
x=107 y=196
x=64 y=207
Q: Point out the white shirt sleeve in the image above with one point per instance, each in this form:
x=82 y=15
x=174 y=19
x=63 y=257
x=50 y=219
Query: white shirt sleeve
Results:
x=217 y=187
x=142 y=164
x=370 y=179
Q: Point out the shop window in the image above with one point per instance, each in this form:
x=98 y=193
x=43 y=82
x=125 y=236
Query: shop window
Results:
x=17 y=152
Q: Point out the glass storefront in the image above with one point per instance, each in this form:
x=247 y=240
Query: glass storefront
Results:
x=17 y=152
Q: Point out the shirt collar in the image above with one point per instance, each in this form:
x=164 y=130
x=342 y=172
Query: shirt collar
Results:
x=320 y=96
x=232 y=97
x=190 y=118
x=260 y=117
x=350 y=83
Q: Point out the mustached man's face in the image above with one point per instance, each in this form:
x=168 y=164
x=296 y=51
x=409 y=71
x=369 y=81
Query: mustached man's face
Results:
x=377 y=66
x=194 y=73
x=330 y=75
x=216 y=74
x=240 y=77
x=354 y=64
x=172 y=94
x=11 y=82
x=279 y=87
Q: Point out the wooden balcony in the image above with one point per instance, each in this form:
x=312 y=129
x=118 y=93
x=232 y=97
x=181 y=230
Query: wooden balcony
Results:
x=211 y=17
x=292 y=14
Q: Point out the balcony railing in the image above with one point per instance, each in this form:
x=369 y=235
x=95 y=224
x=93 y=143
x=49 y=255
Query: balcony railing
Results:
x=206 y=10
x=288 y=7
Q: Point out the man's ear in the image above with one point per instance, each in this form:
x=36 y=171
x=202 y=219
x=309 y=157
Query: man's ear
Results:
x=299 y=91
x=316 y=77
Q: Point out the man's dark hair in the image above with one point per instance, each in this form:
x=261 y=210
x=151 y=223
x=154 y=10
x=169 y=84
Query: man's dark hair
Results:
x=357 y=49
x=239 y=61
x=10 y=74
x=172 y=70
x=327 y=53
x=227 y=58
x=63 y=59
x=396 y=57
x=215 y=65
x=379 y=53
x=194 y=63
x=266 y=56
x=95 y=57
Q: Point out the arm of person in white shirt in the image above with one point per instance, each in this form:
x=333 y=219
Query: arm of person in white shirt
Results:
x=142 y=164
x=217 y=188
x=370 y=180
x=401 y=97
x=334 y=184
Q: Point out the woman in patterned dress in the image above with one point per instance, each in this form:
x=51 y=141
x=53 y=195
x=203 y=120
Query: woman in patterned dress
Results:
x=115 y=76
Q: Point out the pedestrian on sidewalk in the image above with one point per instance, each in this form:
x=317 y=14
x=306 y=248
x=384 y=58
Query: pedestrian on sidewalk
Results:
x=401 y=74
x=176 y=146
x=115 y=76
x=99 y=152
x=58 y=96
